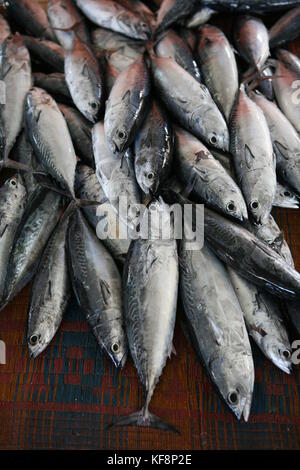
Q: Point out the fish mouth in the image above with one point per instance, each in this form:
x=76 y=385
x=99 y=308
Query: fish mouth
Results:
x=119 y=362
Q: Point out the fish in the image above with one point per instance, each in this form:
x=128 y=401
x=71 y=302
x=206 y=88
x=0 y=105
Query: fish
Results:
x=141 y=9
x=289 y=59
x=255 y=6
x=38 y=222
x=250 y=257
x=216 y=325
x=190 y=103
x=221 y=74
x=197 y=168
x=173 y=11
x=13 y=199
x=54 y=83
x=153 y=148
x=31 y=17
x=286 y=28
x=285 y=197
x=123 y=58
x=15 y=72
x=286 y=141
x=251 y=39
x=101 y=217
x=126 y=106
x=111 y=15
x=23 y=153
x=264 y=321
x=286 y=88
x=48 y=52
x=150 y=287
x=97 y=286
x=84 y=79
x=50 y=138
x=50 y=293
x=110 y=41
x=171 y=46
x=117 y=178
x=66 y=21
x=81 y=133
x=254 y=161
x=200 y=17
x=4 y=29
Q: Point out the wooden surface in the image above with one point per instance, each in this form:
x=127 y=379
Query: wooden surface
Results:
x=65 y=398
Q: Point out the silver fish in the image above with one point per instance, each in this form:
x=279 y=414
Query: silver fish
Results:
x=264 y=321
x=31 y=17
x=189 y=103
x=39 y=220
x=47 y=51
x=116 y=177
x=103 y=216
x=285 y=197
x=97 y=285
x=217 y=326
x=286 y=88
x=153 y=150
x=249 y=256
x=50 y=138
x=254 y=161
x=150 y=301
x=255 y=6
x=220 y=74
x=13 y=198
x=66 y=21
x=197 y=168
x=24 y=154
x=81 y=133
x=252 y=41
x=84 y=79
x=51 y=292
x=111 y=15
x=15 y=71
x=126 y=106
x=289 y=59
x=286 y=141
x=53 y=83
x=286 y=28
x=171 y=46
x=172 y=11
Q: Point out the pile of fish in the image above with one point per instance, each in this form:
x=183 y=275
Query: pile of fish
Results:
x=104 y=101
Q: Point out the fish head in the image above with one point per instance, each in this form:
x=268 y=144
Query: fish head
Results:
x=118 y=138
x=116 y=346
x=278 y=351
x=147 y=178
x=260 y=207
x=143 y=28
x=14 y=193
x=160 y=219
x=40 y=337
x=236 y=207
x=234 y=377
x=220 y=139
x=36 y=99
x=91 y=109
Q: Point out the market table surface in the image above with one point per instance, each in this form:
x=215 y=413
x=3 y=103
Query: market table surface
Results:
x=66 y=398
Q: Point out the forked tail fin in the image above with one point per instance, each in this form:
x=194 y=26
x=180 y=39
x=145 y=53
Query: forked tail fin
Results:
x=144 y=419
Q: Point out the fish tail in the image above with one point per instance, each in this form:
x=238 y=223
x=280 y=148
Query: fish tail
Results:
x=144 y=418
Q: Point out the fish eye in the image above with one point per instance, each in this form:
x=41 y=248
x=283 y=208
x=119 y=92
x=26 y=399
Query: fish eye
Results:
x=150 y=176
x=230 y=207
x=233 y=397
x=287 y=193
x=121 y=135
x=213 y=140
x=115 y=347
x=286 y=353
x=34 y=340
x=13 y=182
x=254 y=205
x=94 y=105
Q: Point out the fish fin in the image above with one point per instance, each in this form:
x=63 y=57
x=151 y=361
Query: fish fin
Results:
x=3 y=231
x=149 y=421
x=172 y=351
